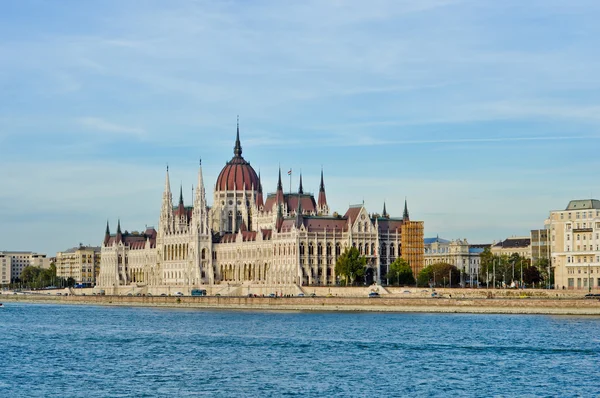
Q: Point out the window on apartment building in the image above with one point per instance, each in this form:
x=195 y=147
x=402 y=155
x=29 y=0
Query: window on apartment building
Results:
x=579 y=260
x=584 y=247
x=562 y=216
x=568 y=237
x=578 y=236
x=584 y=215
x=577 y=215
x=569 y=216
x=571 y=281
x=568 y=259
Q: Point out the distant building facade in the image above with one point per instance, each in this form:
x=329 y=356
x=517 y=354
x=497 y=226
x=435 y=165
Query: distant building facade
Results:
x=80 y=263
x=247 y=238
x=21 y=259
x=509 y=246
x=540 y=245
x=459 y=252
x=575 y=245
x=5 y=269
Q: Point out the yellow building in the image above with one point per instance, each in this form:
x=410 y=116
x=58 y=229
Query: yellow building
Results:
x=575 y=245
x=412 y=248
x=80 y=263
x=509 y=246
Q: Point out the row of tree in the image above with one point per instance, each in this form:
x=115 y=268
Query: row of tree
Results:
x=40 y=278
x=505 y=270
x=513 y=270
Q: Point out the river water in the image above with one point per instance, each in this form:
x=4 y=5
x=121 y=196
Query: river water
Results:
x=88 y=351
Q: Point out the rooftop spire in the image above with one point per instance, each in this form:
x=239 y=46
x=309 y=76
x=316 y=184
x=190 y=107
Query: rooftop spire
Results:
x=405 y=216
x=384 y=211
x=237 y=150
x=181 y=195
x=322 y=186
x=279 y=184
x=300 y=189
x=107 y=228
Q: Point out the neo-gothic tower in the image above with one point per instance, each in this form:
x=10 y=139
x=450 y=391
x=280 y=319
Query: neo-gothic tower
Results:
x=235 y=193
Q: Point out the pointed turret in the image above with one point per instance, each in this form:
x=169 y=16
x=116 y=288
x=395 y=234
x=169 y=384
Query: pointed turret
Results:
x=259 y=197
x=405 y=216
x=181 y=195
x=300 y=189
x=166 y=212
x=385 y=213
x=279 y=221
x=322 y=202
x=106 y=234
x=200 y=214
x=119 y=238
x=237 y=149
x=280 y=197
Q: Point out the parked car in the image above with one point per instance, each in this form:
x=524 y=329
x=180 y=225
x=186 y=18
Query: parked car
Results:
x=373 y=294
x=272 y=295
x=300 y=294
x=179 y=294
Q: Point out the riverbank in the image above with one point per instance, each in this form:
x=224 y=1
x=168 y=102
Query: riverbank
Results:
x=504 y=305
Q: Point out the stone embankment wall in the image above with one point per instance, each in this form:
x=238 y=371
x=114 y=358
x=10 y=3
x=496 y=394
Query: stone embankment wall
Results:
x=560 y=306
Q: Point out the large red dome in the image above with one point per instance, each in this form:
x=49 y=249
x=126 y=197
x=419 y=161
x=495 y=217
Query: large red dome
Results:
x=237 y=173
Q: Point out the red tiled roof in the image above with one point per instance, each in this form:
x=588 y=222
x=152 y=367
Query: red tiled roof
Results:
x=237 y=174
x=307 y=201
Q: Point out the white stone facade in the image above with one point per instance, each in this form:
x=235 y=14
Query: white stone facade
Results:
x=289 y=239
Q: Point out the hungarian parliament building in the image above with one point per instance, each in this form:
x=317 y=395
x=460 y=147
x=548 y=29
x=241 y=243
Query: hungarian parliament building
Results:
x=245 y=238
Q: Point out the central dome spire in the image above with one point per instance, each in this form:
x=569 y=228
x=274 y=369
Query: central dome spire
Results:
x=237 y=150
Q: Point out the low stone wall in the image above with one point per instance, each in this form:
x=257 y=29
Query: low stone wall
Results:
x=564 y=306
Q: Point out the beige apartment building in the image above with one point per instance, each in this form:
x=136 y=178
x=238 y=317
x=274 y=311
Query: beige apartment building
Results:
x=19 y=260
x=80 y=263
x=509 y=246
x=575 y=245
x=5 y=269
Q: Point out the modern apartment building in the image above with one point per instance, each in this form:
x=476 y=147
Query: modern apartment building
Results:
x=540 y=245
x=19 y=260
x=80 y=263
x=575 y=245
x=5 y=269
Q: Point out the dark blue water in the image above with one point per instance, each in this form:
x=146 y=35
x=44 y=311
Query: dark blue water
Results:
x=86 y=351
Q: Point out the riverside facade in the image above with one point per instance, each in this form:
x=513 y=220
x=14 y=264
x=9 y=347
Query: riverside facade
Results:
x=248 y=238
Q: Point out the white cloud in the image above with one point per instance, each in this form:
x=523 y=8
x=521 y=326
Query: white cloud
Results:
x=99 y=124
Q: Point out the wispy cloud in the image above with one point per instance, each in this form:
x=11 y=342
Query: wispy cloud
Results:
x=99 y=124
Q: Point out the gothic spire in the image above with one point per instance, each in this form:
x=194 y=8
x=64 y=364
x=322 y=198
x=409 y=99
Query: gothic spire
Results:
x=405 y=216
x=106 y=234
x=322 y=202
x=119 y=233
x=280 y=196
x=300 y=189
x=237 y=150
x=181 y=195
x=384 y=214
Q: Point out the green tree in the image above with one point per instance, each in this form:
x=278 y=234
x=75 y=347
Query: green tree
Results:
x=486 y=261
x=531 y=275
x=30 y=275
x=438 y=274
x=400 y=272
x=351 y=265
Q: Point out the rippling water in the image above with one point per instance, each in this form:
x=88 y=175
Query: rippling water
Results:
x=87 y=351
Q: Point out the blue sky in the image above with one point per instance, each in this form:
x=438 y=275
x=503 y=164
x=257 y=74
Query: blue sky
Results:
x=484 y=114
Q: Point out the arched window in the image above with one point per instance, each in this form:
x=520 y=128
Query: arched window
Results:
x=329 y=249
x=238 y=222
x=302 y=248
x=203 y=254
x=319 y=249
x=311 y=249
x=360 y=248
x=392 y=251
x=338 y=249
x=230 y=222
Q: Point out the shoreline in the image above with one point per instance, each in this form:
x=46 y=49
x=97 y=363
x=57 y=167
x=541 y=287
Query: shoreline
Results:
x=528 y=306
